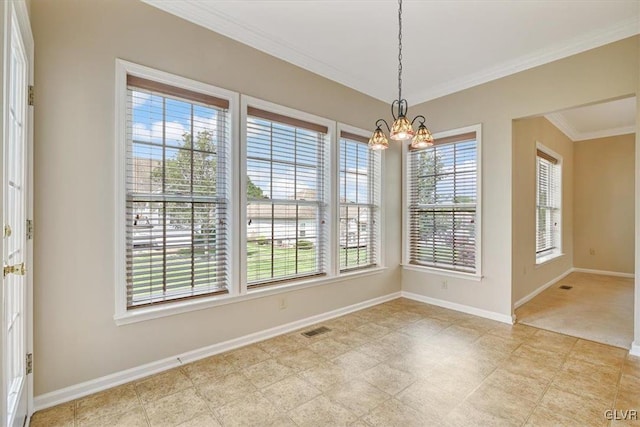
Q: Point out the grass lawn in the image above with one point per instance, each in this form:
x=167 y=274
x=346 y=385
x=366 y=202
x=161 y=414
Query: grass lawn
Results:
x=148 y=272
x=286 y=262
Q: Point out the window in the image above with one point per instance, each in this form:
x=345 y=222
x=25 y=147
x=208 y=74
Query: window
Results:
x=548 y=204
x=359 y=171
x=443 y=183
x=177 y=193
x=182 y=172
x=286 y=200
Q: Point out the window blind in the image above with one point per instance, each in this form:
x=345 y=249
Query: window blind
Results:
x=176 y=193
x=359 y=171
x=548 y=204
x=442 y=192
x=286 y=198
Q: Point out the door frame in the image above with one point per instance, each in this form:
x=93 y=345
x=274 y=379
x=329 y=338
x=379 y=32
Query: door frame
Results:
x=19 y=8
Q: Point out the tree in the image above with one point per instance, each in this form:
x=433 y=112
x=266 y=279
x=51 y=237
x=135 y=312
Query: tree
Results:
x=427 y=166
x=253 y=191
x=444 y=225
x=192 y=172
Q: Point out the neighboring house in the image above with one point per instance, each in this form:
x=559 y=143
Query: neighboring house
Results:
x=147 y=220
x=354 y=230
x=285 y=224
x=282 y=224
x=140 y=174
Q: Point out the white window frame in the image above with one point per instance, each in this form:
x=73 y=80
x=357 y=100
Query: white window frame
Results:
x=379 y=230
x=557 y=252
x=477 y=276
x=237 y=202
x=330 y=192
x=124 y=68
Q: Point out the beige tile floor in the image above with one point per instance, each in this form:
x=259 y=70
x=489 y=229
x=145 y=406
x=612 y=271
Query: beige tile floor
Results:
x=401 y=363
x=598 y=308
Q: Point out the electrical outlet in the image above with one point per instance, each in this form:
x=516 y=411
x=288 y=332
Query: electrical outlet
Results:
x=592 y=251
x=282 y=303
x=445 y=284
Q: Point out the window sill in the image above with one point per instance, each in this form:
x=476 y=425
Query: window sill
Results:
x=432 y=270
x=548 y=258
x=170 y=309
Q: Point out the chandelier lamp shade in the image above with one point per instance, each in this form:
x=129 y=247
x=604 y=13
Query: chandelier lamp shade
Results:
x=402 y=127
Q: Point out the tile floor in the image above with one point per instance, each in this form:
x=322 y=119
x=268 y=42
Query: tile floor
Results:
x=597 y=308
x=401 y=363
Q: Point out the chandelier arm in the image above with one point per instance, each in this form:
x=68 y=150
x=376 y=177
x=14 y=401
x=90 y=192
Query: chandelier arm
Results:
x=393 y=113
x=385 y=123
x=422 y=119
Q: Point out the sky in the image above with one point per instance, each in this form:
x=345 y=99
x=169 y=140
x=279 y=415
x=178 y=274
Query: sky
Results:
x=275 y=154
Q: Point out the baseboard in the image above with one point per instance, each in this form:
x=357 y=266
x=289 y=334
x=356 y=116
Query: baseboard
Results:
x=604 y=272
x=504 y=318
x=86 y=388
x=542 y=288
x=635 y=349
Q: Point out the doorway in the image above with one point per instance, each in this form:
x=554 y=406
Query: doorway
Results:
x=580 y=279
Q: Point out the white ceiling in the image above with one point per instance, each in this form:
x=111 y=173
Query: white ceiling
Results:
x=597 y=121
x=448 y=45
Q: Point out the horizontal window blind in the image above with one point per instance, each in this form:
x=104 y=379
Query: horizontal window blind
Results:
x=548 y=204
x=286 y=198
x=442 y=195
x=359 y=171
x=176 y=193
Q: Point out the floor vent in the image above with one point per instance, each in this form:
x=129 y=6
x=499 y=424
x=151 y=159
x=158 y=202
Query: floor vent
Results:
x=565 y=287
x=317 y=331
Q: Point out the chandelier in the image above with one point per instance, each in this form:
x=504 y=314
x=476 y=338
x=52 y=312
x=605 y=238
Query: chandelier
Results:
x=402 y=128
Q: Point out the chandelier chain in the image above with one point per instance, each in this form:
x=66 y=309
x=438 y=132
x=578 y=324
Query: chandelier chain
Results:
x=399 y=50
x=402 y=127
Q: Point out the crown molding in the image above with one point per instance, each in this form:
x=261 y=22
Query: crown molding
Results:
x=606 y=133
x=558 y=120
x=618 y=31
x=226 y=25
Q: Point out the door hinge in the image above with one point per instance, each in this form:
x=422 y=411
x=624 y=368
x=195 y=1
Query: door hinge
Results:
x=31 y=95
x=29 y=229
x=29 y=363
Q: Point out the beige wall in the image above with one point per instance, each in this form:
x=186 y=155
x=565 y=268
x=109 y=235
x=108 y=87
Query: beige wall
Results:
x=607 y=72
x=77 y=43
x=76 y=46
x=604 y=202
x=527 y=276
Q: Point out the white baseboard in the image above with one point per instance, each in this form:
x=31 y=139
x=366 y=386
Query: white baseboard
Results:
x=635 y=349
x=547 y=285
x=604 y=272
x=86 y=388
x=504 y=318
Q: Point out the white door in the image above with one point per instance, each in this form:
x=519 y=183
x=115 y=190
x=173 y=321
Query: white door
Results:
x=16 y=284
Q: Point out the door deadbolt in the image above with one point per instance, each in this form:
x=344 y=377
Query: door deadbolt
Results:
x=18 y=269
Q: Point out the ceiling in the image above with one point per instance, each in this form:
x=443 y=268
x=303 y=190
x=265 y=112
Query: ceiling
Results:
x=597 y=121
x=447 y=45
